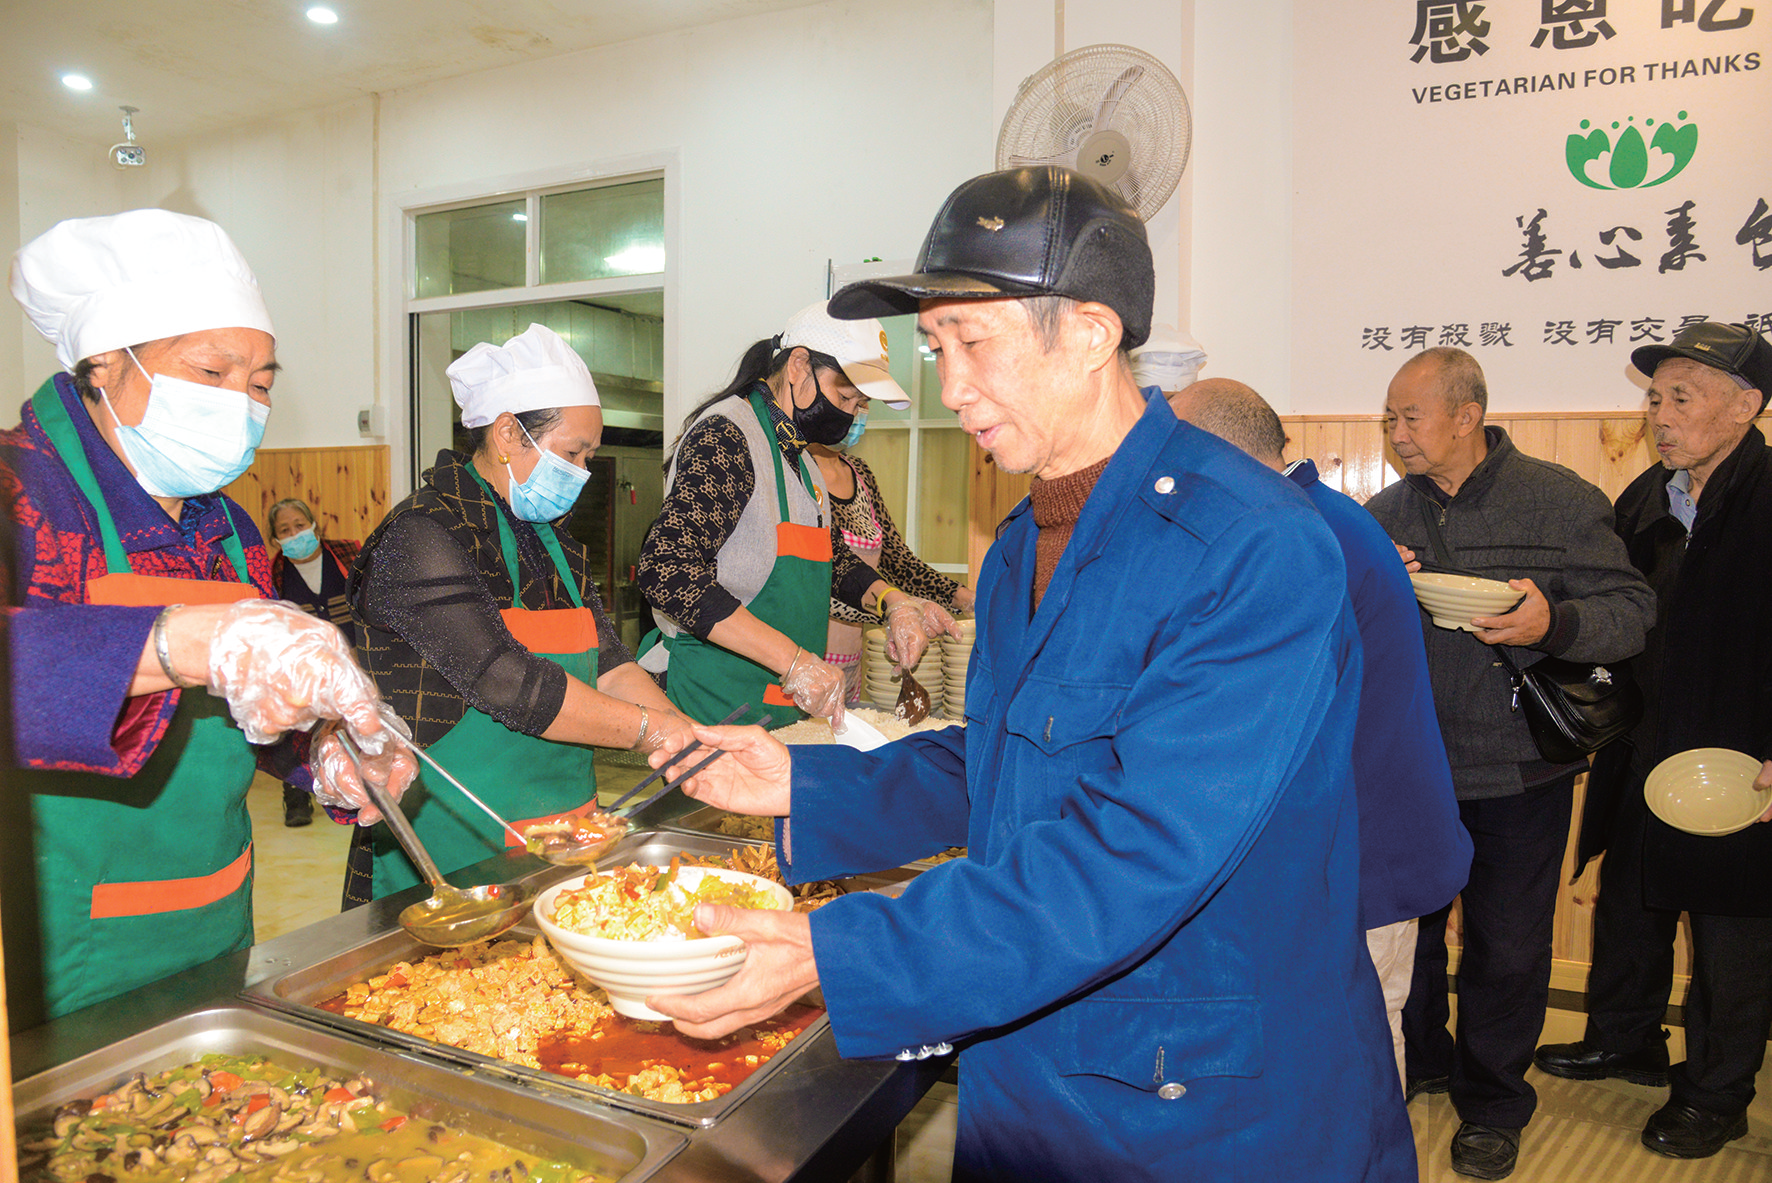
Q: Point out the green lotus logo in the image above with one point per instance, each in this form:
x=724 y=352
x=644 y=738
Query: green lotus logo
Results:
x=1601 y=161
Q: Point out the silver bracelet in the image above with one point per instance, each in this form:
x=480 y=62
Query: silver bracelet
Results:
x=163 y=650
x=644 y=722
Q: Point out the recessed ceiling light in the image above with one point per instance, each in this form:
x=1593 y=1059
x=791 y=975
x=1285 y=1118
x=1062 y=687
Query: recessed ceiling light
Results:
x=76 y=82
x=322 y=15
x=519 y=216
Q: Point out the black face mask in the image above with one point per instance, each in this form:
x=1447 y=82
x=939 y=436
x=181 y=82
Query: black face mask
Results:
x=823 y=422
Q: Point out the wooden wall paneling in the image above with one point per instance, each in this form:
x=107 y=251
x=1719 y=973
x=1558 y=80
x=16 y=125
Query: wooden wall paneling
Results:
x=347 y=487
x=1324 y=442
x=994 y=493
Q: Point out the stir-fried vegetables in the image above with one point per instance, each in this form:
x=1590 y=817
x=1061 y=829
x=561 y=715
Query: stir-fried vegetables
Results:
x=246 y=1119
x=640 y=903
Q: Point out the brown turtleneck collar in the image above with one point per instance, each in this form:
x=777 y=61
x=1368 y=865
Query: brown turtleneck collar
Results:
x=1057 y=504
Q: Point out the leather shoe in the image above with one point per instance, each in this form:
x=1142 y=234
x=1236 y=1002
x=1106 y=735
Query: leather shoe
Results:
x=1419 y=1085
x=1485 y=1152
x=1583 y=1061
x=293 y=818
x=1679 y=1130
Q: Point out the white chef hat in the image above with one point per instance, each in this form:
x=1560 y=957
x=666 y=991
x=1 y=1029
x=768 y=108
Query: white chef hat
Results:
x=1168 y=360
x=95 y=284
x=533 y=371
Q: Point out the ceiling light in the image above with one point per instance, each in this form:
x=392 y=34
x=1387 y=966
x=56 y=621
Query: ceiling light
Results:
x=76 y=82
x=638 y=260
x=322 y=15
x=519 y=216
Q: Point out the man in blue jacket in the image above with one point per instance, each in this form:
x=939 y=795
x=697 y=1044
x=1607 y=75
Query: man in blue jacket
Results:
x=1152 y=960
x=1414 y=852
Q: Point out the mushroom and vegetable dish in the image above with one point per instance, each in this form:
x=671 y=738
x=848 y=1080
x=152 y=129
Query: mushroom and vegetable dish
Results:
x=246 y=1119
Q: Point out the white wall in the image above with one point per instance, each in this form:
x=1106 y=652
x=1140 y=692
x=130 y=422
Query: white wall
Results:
x=57 y=178
x=297 y=195
x=830 y=132
x=12 y=339
x=791 y=139
x=1242 y=240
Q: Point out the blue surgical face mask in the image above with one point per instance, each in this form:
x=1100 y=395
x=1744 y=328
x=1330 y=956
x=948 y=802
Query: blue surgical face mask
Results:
x=551 y=489
x=855 y=430
x=300 y=547
x=192 y=439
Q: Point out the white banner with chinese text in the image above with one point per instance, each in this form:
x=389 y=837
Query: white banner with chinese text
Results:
x=1546 y=183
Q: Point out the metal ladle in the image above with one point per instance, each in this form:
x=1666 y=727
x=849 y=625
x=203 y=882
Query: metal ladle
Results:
x=453 y=916
x=544 y=840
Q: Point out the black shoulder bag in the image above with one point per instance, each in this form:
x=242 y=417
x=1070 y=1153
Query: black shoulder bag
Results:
x=1573 y=708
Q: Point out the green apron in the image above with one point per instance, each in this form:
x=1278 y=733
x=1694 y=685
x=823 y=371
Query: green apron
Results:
x=524 y=777
x=706 y=681
x=140 y=877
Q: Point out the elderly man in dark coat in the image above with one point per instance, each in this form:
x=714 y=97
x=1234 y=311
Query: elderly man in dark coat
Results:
x=1699 y=528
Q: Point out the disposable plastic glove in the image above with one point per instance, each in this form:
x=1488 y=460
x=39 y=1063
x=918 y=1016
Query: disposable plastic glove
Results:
x=282 y=670
x=338 y=779
x=815 y=686
x=911 y=624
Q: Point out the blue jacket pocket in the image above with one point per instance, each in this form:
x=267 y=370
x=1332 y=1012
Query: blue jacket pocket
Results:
x=1053 y=716
x=1159 y=1042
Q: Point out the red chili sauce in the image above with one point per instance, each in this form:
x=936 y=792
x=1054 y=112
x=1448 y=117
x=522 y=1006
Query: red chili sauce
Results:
x=624 y=1047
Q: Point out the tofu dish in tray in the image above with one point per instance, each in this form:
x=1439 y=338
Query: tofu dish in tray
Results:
x=512 y=1006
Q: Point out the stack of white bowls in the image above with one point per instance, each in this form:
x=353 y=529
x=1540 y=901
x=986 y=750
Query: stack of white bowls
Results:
x=879 y=678
x=955 y=656
x=1453 y=599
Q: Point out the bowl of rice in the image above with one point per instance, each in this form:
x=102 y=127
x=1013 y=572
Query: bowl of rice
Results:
x=631 y=930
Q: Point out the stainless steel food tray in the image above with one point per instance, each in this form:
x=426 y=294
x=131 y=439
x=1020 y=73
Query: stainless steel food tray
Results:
x=616 y=1145
x=704 y=819
x=301 y=991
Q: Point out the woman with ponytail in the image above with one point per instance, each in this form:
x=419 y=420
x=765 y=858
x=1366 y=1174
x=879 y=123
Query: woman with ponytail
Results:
x=740 y=566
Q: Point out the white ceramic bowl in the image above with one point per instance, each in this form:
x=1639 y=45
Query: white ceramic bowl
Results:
x=1451 y=600
x=628 y=971
x=1708 y=791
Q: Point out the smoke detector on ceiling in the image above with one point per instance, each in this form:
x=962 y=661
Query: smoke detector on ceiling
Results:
x=128 y=154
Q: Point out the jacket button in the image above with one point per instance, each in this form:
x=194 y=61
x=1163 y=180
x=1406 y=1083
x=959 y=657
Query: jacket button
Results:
x=1165 y=484
x=1172 y=1091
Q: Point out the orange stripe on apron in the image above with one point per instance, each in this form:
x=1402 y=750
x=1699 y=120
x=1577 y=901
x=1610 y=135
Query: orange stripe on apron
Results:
x=552 y=630
x=169 y=895
x=803 y=542
x=153 y=591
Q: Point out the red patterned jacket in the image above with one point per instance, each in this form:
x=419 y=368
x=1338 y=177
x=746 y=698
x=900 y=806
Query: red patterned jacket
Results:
x=72 y=669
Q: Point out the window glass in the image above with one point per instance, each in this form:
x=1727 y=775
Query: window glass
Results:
x=603 y=232
x=476 y=249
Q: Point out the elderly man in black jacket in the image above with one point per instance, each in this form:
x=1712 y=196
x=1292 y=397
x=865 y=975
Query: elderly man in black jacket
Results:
x=1507 y=516
x=1699 y=528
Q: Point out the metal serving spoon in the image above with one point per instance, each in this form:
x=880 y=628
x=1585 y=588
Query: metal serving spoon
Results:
x=453 y=916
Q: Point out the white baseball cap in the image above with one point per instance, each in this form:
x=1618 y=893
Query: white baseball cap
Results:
x=533 y=371
x=858 y=345
x=91 y=285
x=1169 y=360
